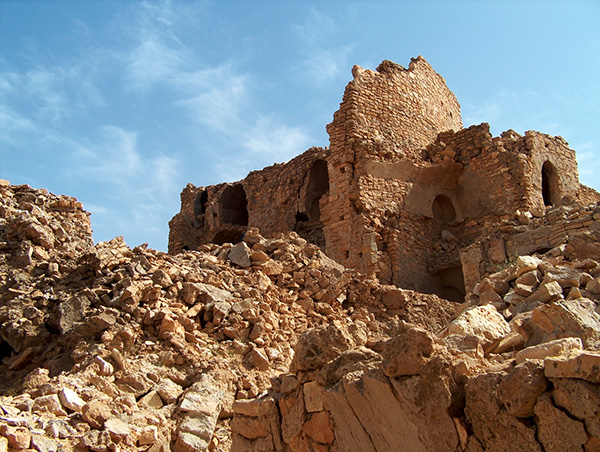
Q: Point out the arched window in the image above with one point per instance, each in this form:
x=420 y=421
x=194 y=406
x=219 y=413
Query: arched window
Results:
x=443 y=209
x=200 y=203
x=233 y=209
x=550 y=191
x=318 y=185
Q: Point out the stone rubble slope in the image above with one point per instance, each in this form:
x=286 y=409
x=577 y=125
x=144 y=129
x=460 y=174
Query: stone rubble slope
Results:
x=517 y=368
x=104 y=347
x=269 y=345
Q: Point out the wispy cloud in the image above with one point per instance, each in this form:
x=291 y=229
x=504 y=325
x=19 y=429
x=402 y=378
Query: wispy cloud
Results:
x=214 y=97
x=322 y=61
x=275 y=142
x=137 y=183
x=90 y=109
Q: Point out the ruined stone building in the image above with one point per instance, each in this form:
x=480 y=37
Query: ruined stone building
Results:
x=404 y=193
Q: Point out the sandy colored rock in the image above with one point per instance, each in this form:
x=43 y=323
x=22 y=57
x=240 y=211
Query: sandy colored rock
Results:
x=552 y=348
x=318 y=346
x=50 y=403
x=557 y=431
x=484 y=322
x=519 y=390
x=577 y=364
x=95 y=413
x=492 y=425
x=580 y=398
x=313 y=397
x=320 y=428
x=406 y=353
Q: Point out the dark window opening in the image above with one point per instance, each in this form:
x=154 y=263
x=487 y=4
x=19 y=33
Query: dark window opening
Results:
x=318 y=185
x=550 y=191
x=228 y=236
x=451 y=284
x=301 y=216
x=200 y=203
x=234 y=206
x=308 y=222
x=443 y=209
x=6 y=350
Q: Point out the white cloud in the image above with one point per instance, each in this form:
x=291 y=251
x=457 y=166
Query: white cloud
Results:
x=322 y=61
x=13 y=125
x=275 y=142
x=131 y=189
x=153 y=62
x=214 y=97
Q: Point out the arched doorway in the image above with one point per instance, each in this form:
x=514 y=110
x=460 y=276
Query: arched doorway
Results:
x=200 y=203
x=233 y=206
x=550 y=192
x=308 y=220
x=443 y=209
x=318 y=185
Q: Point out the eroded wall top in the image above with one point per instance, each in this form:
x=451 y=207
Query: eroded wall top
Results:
x=394 y=112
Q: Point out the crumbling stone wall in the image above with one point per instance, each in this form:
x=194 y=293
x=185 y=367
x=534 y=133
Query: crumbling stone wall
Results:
x=281 y=198
x=403 y=189
x=388 y=115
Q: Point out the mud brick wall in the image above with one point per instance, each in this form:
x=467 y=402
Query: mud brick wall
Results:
x=388 y=115
x=403 y=189
x=269 y=199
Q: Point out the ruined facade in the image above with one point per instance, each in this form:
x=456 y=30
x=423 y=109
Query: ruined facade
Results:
x=403 y=192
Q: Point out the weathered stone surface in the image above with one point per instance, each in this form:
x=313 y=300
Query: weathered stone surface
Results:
x=577 y=364
x=240 y=255
x=557 y=431
x=320 y=345
x=546 y=291
x=406 y=353
x=258 y=358
x=527 y=264
x=168 y=391
x=484 y=322
x=493 y=426
x=355 y=407
x=313 y=397
x=519 y=390
x=320 y=428
x=546 y=349
x=580 y=398
x=49 y=403
x=95 y=413
x=249 y=427
x=71 y=311
x=356 y=360
x=117 y=428
x=566 y=318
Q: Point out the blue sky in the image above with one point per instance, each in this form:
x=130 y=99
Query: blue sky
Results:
x=122 y=103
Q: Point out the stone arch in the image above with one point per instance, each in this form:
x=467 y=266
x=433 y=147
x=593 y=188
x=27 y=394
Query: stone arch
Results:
x=443 y=209
x=200 y=203
x=317 y=186
x=233 y=206
x=308 y=219
x=550 y=190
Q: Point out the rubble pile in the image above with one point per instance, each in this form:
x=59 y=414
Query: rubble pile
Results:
x=516 y=369
x=270 y=345
x=110 y=348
